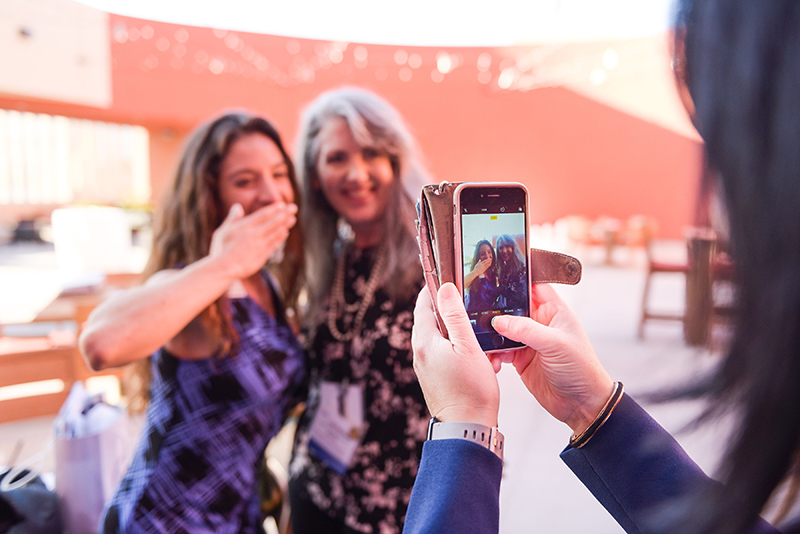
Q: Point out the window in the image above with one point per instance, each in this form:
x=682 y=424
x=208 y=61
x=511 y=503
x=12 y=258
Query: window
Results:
x=46 y=159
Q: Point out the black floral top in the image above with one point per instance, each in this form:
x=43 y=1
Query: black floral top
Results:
x=372 y=496
x=513 y=282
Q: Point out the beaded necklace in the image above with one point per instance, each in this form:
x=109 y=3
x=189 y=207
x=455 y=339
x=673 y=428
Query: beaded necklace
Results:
x=339 y=304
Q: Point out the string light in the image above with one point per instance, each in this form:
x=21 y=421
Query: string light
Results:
x=505 y=69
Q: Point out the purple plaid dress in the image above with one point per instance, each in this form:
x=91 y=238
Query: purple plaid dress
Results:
x=207 y=425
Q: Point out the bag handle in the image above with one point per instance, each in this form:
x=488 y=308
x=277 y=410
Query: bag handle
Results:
x=8 y=483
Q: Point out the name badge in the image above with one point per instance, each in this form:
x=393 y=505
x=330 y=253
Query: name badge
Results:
x=338 y=427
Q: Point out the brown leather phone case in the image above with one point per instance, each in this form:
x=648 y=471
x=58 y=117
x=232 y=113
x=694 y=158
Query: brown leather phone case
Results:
x=435 y=212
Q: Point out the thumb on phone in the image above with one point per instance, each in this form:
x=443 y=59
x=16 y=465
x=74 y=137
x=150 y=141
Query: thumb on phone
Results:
x=524 y=330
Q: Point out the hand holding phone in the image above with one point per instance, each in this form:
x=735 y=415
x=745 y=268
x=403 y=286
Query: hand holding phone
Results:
x=438 y=238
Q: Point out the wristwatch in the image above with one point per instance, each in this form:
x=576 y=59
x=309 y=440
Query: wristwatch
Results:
x=490 y=438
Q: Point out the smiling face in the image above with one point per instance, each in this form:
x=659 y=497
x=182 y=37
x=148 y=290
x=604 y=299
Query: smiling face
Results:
x=254 y=174
x=505 y=252
x=356 y=180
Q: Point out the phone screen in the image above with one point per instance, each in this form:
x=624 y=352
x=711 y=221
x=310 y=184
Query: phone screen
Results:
x=494 y=245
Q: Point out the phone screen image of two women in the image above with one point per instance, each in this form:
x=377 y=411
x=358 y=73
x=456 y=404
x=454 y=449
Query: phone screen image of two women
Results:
x=495 y=268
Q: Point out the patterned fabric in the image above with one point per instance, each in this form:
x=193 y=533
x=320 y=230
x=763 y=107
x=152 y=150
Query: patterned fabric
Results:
x=373 y=495
x=207 y=425
x=481 y=295
x=513 y=282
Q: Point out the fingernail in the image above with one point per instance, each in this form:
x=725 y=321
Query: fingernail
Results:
x=500 y=322
x=448 y=292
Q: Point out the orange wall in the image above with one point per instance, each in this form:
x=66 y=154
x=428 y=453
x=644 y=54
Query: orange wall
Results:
x=165 y=149
x=575 y=155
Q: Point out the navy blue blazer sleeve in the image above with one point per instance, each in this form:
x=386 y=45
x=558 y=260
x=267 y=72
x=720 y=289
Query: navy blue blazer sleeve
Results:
x=631 y=465
x=456 y=491
x=634 y=468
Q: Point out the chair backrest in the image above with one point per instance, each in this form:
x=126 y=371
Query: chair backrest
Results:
x=34 y=383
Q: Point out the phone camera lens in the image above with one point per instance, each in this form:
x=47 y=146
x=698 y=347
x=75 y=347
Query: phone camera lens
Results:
x=503 y=208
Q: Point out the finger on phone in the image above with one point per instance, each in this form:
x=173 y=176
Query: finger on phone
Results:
x=424 y=319
x=523 y=329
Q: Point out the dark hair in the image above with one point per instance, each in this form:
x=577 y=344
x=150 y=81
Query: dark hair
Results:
x=192 y=210
x=743 y=74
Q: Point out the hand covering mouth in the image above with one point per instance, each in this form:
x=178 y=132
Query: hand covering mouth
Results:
x=358 y=194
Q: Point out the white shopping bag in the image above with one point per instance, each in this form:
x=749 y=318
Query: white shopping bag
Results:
x=92 y=444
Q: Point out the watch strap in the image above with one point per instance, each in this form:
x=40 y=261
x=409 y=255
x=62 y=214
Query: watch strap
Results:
x=486 y=437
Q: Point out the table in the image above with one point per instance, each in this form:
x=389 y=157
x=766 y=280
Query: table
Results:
x=701 y=247
x=65 y=306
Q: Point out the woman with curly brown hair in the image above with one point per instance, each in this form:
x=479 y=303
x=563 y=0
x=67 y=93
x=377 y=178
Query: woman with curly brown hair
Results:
x=212 y=325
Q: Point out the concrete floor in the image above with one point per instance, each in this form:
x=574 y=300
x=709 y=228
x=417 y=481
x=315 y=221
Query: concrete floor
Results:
x=539 y=494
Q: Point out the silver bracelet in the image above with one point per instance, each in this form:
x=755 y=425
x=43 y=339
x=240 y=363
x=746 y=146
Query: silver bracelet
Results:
x=489 y=438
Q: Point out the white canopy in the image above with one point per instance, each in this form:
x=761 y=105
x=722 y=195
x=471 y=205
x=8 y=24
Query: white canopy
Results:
x=415 y=22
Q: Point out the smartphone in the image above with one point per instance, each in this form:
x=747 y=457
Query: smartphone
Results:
x=492 y=260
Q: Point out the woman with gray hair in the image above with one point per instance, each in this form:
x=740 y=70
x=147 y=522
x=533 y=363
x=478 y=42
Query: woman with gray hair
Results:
x=358 y=443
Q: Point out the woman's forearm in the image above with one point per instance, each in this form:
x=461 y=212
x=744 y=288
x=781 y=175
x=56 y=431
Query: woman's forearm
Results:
x=137 y=322
x=470 y=277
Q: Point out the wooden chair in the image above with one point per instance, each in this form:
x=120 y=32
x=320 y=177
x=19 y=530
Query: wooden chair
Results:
x=705 y=270
x=52 y=362
x=654 y=267
x=39 y=365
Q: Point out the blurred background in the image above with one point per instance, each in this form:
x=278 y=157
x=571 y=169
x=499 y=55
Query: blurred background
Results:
x=576 y=99
x=96 y=105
